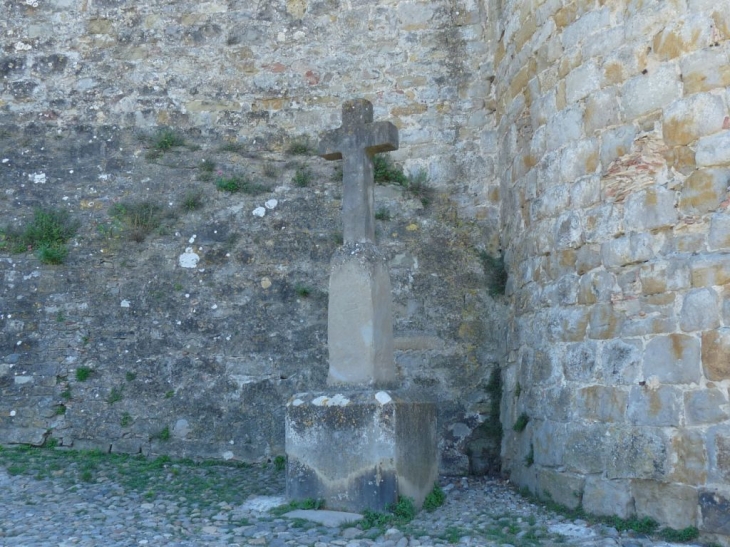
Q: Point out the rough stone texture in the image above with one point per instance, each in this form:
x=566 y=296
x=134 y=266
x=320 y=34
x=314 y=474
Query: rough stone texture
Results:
x=608 y=497
x=359 y=319
x=715 y=510
x=673 y=503
x=360 y=450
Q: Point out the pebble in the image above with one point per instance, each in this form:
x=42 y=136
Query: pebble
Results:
x=478 y=512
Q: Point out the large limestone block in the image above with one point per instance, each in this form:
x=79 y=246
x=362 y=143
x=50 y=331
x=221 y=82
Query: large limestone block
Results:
x=608 y=497
x=360 y=450
x=673 y=359
x=715 y=508
x=360 y=327
x=636 y=452
x=563 y=488
x=716 y=354
x=672 y=505
x=690 y=118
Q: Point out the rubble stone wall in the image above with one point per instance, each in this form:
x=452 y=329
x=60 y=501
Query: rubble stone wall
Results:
x=614 y=157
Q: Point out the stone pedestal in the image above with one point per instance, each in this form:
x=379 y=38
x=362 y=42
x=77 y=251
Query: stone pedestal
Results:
x=360 y=449
x=360 y=327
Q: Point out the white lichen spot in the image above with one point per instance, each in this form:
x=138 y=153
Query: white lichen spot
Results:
x=31 y=3
x=214 y=307
x=38 y=178
x=259 y=211
x=297 y=402
x=271 y=204
x=6 y=160
x=192 y=239
x=265 y=283
x=22 y=46
x=383 y=398
x=227 y=455
x=126 y=303
x=298 y=35
x=12 y=413
x=188 y=259
x=281 y=37
x=320 y=401
x=339 y=400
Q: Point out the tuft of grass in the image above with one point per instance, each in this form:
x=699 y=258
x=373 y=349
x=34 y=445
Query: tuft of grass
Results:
x=46 y=235
x=435 y=499
x=83 y=373
x=126 y=420
x=399 y=514
x=240 y=183
x=115 y=395
x=130 y=376
x=60 y=410
x=521 y=422
x=192 y=200
x=384 y=171
x=417 y=186
x=66 y=394
x=679 y=536
x=280 y=463
x=163 y=435
x=530 y=458
x=309 y=503
x=300 y=147
x=302 y=290
x=169 y=394
x=140 y=217
x=302 y=178
x=382 y=214
x=164 y=141
x=233 y=147
x=270 y=170
x=495 y=271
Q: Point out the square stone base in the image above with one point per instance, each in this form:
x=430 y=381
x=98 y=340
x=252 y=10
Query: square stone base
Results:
x=360 y=450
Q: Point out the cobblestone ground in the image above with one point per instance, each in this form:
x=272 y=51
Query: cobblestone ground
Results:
x=56 y=498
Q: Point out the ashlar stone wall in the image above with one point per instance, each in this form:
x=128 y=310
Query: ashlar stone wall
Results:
x=614 y=157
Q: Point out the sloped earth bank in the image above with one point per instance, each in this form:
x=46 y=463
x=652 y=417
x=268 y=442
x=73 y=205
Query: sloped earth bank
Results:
x=60 y=498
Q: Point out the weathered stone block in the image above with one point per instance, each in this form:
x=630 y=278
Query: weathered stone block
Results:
x=719 y=236
x=713 y=150
x=718 y=452
x=605 y=321
x=647 y=92
x=360 y=450
x=615 y=143
x=583 y=81
x=704 y=191
x=601 y=403
x=585 y=450
x=716 y=354
x=603 y=223
x=705 y=70
x=563 y=488
x=707 y=271
x=660 y=277
x=626 y=250
x=715 y=509
x=650 y=209
x=636 y=452
x=673 y=359
x=608 y=497
x=700 y=310
x=360 y=324
x=685 y=36
x=549 y=442
x=580 y=362
x=602 y=110
x=673 y=505
x=690 y=118
x=688 y=457
x=706 y=406
x=655 y=407
x=621 y=361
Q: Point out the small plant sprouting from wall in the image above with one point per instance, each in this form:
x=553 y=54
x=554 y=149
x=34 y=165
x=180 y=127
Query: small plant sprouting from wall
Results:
x=302 y=290
x=140 y=217
x=163 y=141
x=300 y=147
x=521 y=422
x=496 y=272
x=382 y=214
x=530 y=458
x=206 y=170
x=280 y=463
x=192 y=200
x=240 y=183
x=492 y=426
x=302 y=177
x=115 y=395
x=384 y=172
x=434 y=499
x=46 y=235
x=163 y=435
x=126 y=420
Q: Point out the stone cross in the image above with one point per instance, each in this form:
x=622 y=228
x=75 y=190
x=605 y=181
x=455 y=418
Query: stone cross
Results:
x=356 y=142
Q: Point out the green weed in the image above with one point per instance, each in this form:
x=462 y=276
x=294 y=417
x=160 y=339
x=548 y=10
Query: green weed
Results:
x=309 y=503
x=679 y=536
x=126 y=420
x=83 y=373
x=140 y=217
x=169 y=394
x=434 y=499
x=115 y=395
x=164 y=141
x=300 y=147
x=46 y=235
x=240 y=183
x=163 y=435
x=530 y=457
x=59 y=410
x=66 y=394
x=302 y=291
x=495 y=271
x=233 y=147
x=280 y=463
x=382 y=214
x=192 y=200
x=302 y=177
x=130 y=376
x=385 y=172
x=521 y=422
